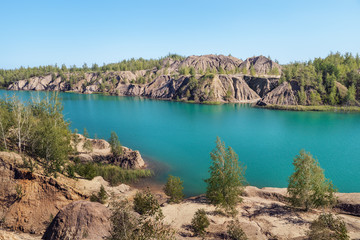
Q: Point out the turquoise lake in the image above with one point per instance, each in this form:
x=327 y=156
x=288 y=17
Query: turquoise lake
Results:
x=178 y=137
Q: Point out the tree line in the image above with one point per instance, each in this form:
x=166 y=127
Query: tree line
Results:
x=8 y=76
x=318 y=79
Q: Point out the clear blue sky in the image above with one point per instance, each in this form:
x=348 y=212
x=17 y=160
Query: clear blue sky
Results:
x=43 y=32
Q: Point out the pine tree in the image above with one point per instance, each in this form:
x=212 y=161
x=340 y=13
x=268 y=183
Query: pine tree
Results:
x=308 y=186
x=115 y=144
x=227 y=177
x=174 y=189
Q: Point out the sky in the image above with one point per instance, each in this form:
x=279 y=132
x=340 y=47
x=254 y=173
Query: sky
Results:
x=43 y=32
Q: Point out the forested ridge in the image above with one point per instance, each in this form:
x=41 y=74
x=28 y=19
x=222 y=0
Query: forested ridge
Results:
x=319 y=79
x=333 y=80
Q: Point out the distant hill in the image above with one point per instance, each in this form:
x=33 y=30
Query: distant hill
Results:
x=334 y=80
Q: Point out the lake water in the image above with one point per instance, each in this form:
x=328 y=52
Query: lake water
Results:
x=179 y=137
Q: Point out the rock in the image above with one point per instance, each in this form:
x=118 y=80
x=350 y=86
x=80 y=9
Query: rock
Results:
x=261 y=64
x=24 y=194
x=261 y=86
x=80 y=220
x=168 y=84
x=101 y=152
x=281 y=95
x=206 y=62
x=348 y=203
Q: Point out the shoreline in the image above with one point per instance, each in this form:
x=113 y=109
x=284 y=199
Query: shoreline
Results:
x=252 y=103
x=319 y=108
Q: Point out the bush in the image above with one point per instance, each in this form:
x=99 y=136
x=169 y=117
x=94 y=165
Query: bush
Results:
x=174 y=189
x=146 y=204
x=128 y=225
x=308 y=186
x=100 y=197
x=200 y=222
x=235 y=231
x=227 y=178
x=113 y=174
x=115 y=144
x=327 y=227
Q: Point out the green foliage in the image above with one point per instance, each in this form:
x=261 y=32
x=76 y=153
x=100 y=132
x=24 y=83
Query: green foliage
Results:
x=184 y=70
x=302 y=96
x=146 y=204
x=127 y=225
x=192 y=71
x=200 y=222
x=174 y=189
x=350 y=96
x=37 y=127
x=51 y=135
x=274 y=71
x=244 y=70
x=322 y=75
x=328 y=227
x=100 y=197
x=252 y=70
x=228 y=95
x=116 y=147
x=227 y=178
x=235 y=232
x=315 y=98
x=19 y=191
x=113 y=174
x=6 y=122
x=308 y=187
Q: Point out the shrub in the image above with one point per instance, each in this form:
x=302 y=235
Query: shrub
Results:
x=127 y=225
x=113 y=174
x=235 y=231
x=146 y=204
x=308 y=186
x=115 y=144
x=174 y=189
x=227 y=178
x=328 y=227
x=100 y=197
x=200 y=222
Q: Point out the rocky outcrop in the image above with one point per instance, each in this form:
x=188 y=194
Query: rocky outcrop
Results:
x=261 y=65
x=100 y=151
x=167 y=82
x=209 y=62
x=80 y=220
x=262 y=86
x=281 y=95
x=24 y=195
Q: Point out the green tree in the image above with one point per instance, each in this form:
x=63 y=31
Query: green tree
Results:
x=328 y=227
x=116 y=147
x=145 y=203
x=235 y=232
x=200 y=222
x=350 y=96
x=100 y=197
x=192 y=71
x=127 y=225
x=252 y=70
x=6 y=123
x=174 y=189
x=227 y=177
x=51 y=135
x=308 y=186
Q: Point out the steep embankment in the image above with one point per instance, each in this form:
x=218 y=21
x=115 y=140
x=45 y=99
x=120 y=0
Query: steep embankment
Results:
x=208 y=78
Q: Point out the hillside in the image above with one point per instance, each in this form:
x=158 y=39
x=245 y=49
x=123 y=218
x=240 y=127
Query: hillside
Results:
x=208 y=78
x=334 y=80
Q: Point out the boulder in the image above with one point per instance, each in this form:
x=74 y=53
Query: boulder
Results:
x=80 y=220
